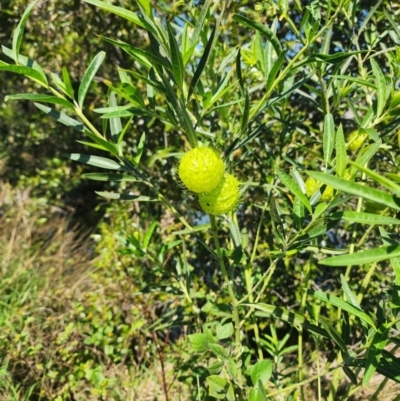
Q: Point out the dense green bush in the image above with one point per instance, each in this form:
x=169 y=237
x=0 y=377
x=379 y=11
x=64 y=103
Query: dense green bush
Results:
x=302 y=104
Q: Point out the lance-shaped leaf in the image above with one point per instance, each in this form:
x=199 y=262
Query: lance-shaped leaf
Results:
x=267 y=32
x=275 y=70
x=328 y=138
x=61 y=117
x=340 y=303
x=382 y=90
x=22 y=70
x=353 y=188
x=364 y=218
x=25 y=61
x=88 y=77
x=364 y=257
x=292 y=318
x=374 y=352
x=146 y=6
x=116 y=196
x=67 y=83
x=120 y=11
x=109 y=177
x=37 y=97
x=200 y=21
x=293 y=188
x=96 y=161
x=178 y=69
x=389 y=184
x=341 y=158
x=19 y=31
x=202 y=62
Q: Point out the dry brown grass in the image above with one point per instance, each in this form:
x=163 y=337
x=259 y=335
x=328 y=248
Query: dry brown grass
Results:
x=46 y=265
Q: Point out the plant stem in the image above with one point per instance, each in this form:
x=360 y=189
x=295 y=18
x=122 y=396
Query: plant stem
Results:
x=227 y=279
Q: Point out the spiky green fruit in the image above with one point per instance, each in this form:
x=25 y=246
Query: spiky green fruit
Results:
x=312 y=185
x=355 y=140
x=201 y=169
x=223 y=199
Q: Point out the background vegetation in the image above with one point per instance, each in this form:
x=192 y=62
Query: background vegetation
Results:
x=126 y=299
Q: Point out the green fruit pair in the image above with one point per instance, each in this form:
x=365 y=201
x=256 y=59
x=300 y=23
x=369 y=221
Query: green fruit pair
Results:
x=202 y=171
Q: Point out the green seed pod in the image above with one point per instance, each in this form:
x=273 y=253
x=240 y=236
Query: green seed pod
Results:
x=223 y=199
x=201 y=169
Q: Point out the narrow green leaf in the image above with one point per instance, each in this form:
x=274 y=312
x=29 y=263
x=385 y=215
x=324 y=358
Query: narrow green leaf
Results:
x=235 y=233
x=102 y=142
x=146 y=6
x=202 y=62
x=340 y=303
x=67 y=83
x=359 y=81
x=109 y=177
x=25 y=61
x=341 y=158
x=371 y=132
x=275 y=70
x=239 y=70
x=334 y=58
x=350 y=374
x=368 y=117
x=363 y=257
x=356 y=189
x=149 y=234
x=115 y=123
x=366 y=155
x=389 y=184
x=292 y=318
x=200 y=22
x=188 y=54
x=178 y=69
x=259 y=52
x=59 y=83
x=22 y=70
x=380 y=82
x=267 y=32
x=61 y=117
x=278 y=227
x=364 y=218
x=298 y=213
x=220 y=91
x=333 y=333
x=374 y=352
x=293 y=188
x=92 y=145
x=152 y=82
x=140 y=148
x=328 y=138
x=129 y=92
x=96 y=161
x=19 y=30
x=245 y=115
x=120 y=11
x=350 y=297
x=145 y=58
x=121 y=136
x=37 y=97
x=88 y=77
x=114 y=195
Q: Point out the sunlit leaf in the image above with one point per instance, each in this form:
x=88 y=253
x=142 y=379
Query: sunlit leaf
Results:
x=88 y=77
